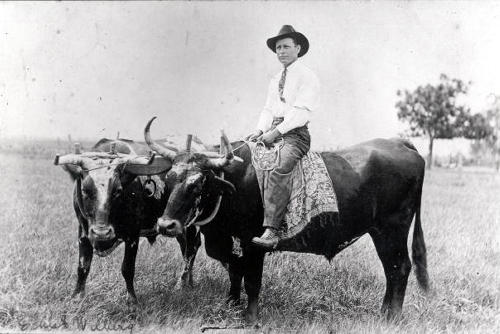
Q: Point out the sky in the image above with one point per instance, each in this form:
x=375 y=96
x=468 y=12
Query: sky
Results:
x=93 y=69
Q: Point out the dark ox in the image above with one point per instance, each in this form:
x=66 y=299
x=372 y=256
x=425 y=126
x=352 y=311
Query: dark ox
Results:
x=378 y=185
x=115 y=203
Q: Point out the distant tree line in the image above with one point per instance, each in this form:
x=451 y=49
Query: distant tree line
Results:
x=40 y=148
x=435 y=112
x=490 y=145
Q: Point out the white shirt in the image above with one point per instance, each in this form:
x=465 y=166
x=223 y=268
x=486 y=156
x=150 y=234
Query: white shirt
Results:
x=301 y=93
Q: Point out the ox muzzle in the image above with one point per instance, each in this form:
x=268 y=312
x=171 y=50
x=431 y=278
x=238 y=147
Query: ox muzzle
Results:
x=169 y=227
x=102 y=237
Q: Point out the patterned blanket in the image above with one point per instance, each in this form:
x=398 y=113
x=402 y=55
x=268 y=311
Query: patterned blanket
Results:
x=312 y=192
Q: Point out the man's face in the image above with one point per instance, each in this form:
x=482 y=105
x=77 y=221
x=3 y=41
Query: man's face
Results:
x=287 y=51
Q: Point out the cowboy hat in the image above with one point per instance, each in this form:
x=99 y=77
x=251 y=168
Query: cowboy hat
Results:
x=288 y=31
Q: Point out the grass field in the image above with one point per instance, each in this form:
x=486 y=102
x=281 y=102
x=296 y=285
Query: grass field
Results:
x=301 y=293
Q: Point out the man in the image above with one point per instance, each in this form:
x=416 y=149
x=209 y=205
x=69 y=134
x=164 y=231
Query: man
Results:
x=292 y=95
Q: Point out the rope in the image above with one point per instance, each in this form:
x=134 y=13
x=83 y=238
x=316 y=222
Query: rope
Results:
x=245 y=142
x=198 y=212
x=264 y=158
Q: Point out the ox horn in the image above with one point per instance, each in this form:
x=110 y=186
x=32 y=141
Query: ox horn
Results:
x=154 y=146
x=147 y=166
x=138 y=160
x=225 y=160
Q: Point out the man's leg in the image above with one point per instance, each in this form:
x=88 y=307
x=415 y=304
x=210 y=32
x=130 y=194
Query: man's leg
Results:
x=279 y=188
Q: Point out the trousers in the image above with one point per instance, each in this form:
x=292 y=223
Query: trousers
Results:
x=296 y=144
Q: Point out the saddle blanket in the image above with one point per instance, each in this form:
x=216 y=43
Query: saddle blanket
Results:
x=312 y=192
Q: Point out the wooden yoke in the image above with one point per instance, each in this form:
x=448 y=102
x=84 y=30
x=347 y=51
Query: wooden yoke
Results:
x=78 y=148
x=188 y=143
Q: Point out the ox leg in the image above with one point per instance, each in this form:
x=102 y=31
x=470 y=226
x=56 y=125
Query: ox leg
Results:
x=235 y=277
x=84 y=261
x=189 y=244
x=128 y=268
x=392 y=250
x=253 y=262
x=219 y=245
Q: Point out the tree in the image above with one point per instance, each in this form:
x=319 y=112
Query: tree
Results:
x=493 y=141
x=433 y=111
x=475 y=126
x=490 y=144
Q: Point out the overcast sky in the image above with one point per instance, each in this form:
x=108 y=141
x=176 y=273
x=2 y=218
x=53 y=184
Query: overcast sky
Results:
x=92 y=69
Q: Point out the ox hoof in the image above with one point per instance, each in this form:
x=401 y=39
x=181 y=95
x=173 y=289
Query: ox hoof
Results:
x=251 y=319
x=390 y=314
x=182 y=285
x=233 y=301
x=132 y=300
x=78 y=294
x=251 y=313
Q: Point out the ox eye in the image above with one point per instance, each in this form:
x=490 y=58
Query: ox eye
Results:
x=194 y=187
x=87 y=194
x=189 y=188
x=118 y=192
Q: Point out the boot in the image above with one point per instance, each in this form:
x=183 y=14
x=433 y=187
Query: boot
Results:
x=268 y=240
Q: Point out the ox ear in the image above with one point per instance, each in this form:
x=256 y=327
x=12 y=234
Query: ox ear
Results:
x=73 y=164
x=159 y=165
x=222 y=186
x=74 y=171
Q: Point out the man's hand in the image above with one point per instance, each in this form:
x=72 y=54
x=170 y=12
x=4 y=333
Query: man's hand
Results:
x=269 y=137
x=254 y=135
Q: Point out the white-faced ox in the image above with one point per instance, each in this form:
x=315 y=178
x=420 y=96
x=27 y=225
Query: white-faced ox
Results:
x=115 y=201
x=378 y=186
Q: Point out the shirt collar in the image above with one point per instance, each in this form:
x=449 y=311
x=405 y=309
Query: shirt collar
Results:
x=293 y=65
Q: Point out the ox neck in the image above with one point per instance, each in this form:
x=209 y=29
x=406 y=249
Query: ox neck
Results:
x=79 y=198
x=211 y=216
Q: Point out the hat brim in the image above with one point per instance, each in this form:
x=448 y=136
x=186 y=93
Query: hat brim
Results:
x=301 y=39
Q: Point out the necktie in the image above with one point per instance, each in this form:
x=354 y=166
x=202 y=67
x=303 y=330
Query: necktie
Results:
x=281 y=84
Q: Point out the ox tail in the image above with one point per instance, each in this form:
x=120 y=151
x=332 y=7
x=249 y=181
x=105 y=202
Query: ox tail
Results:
x=419 y=251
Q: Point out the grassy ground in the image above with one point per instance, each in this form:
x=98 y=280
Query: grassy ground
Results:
x=301 y=293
